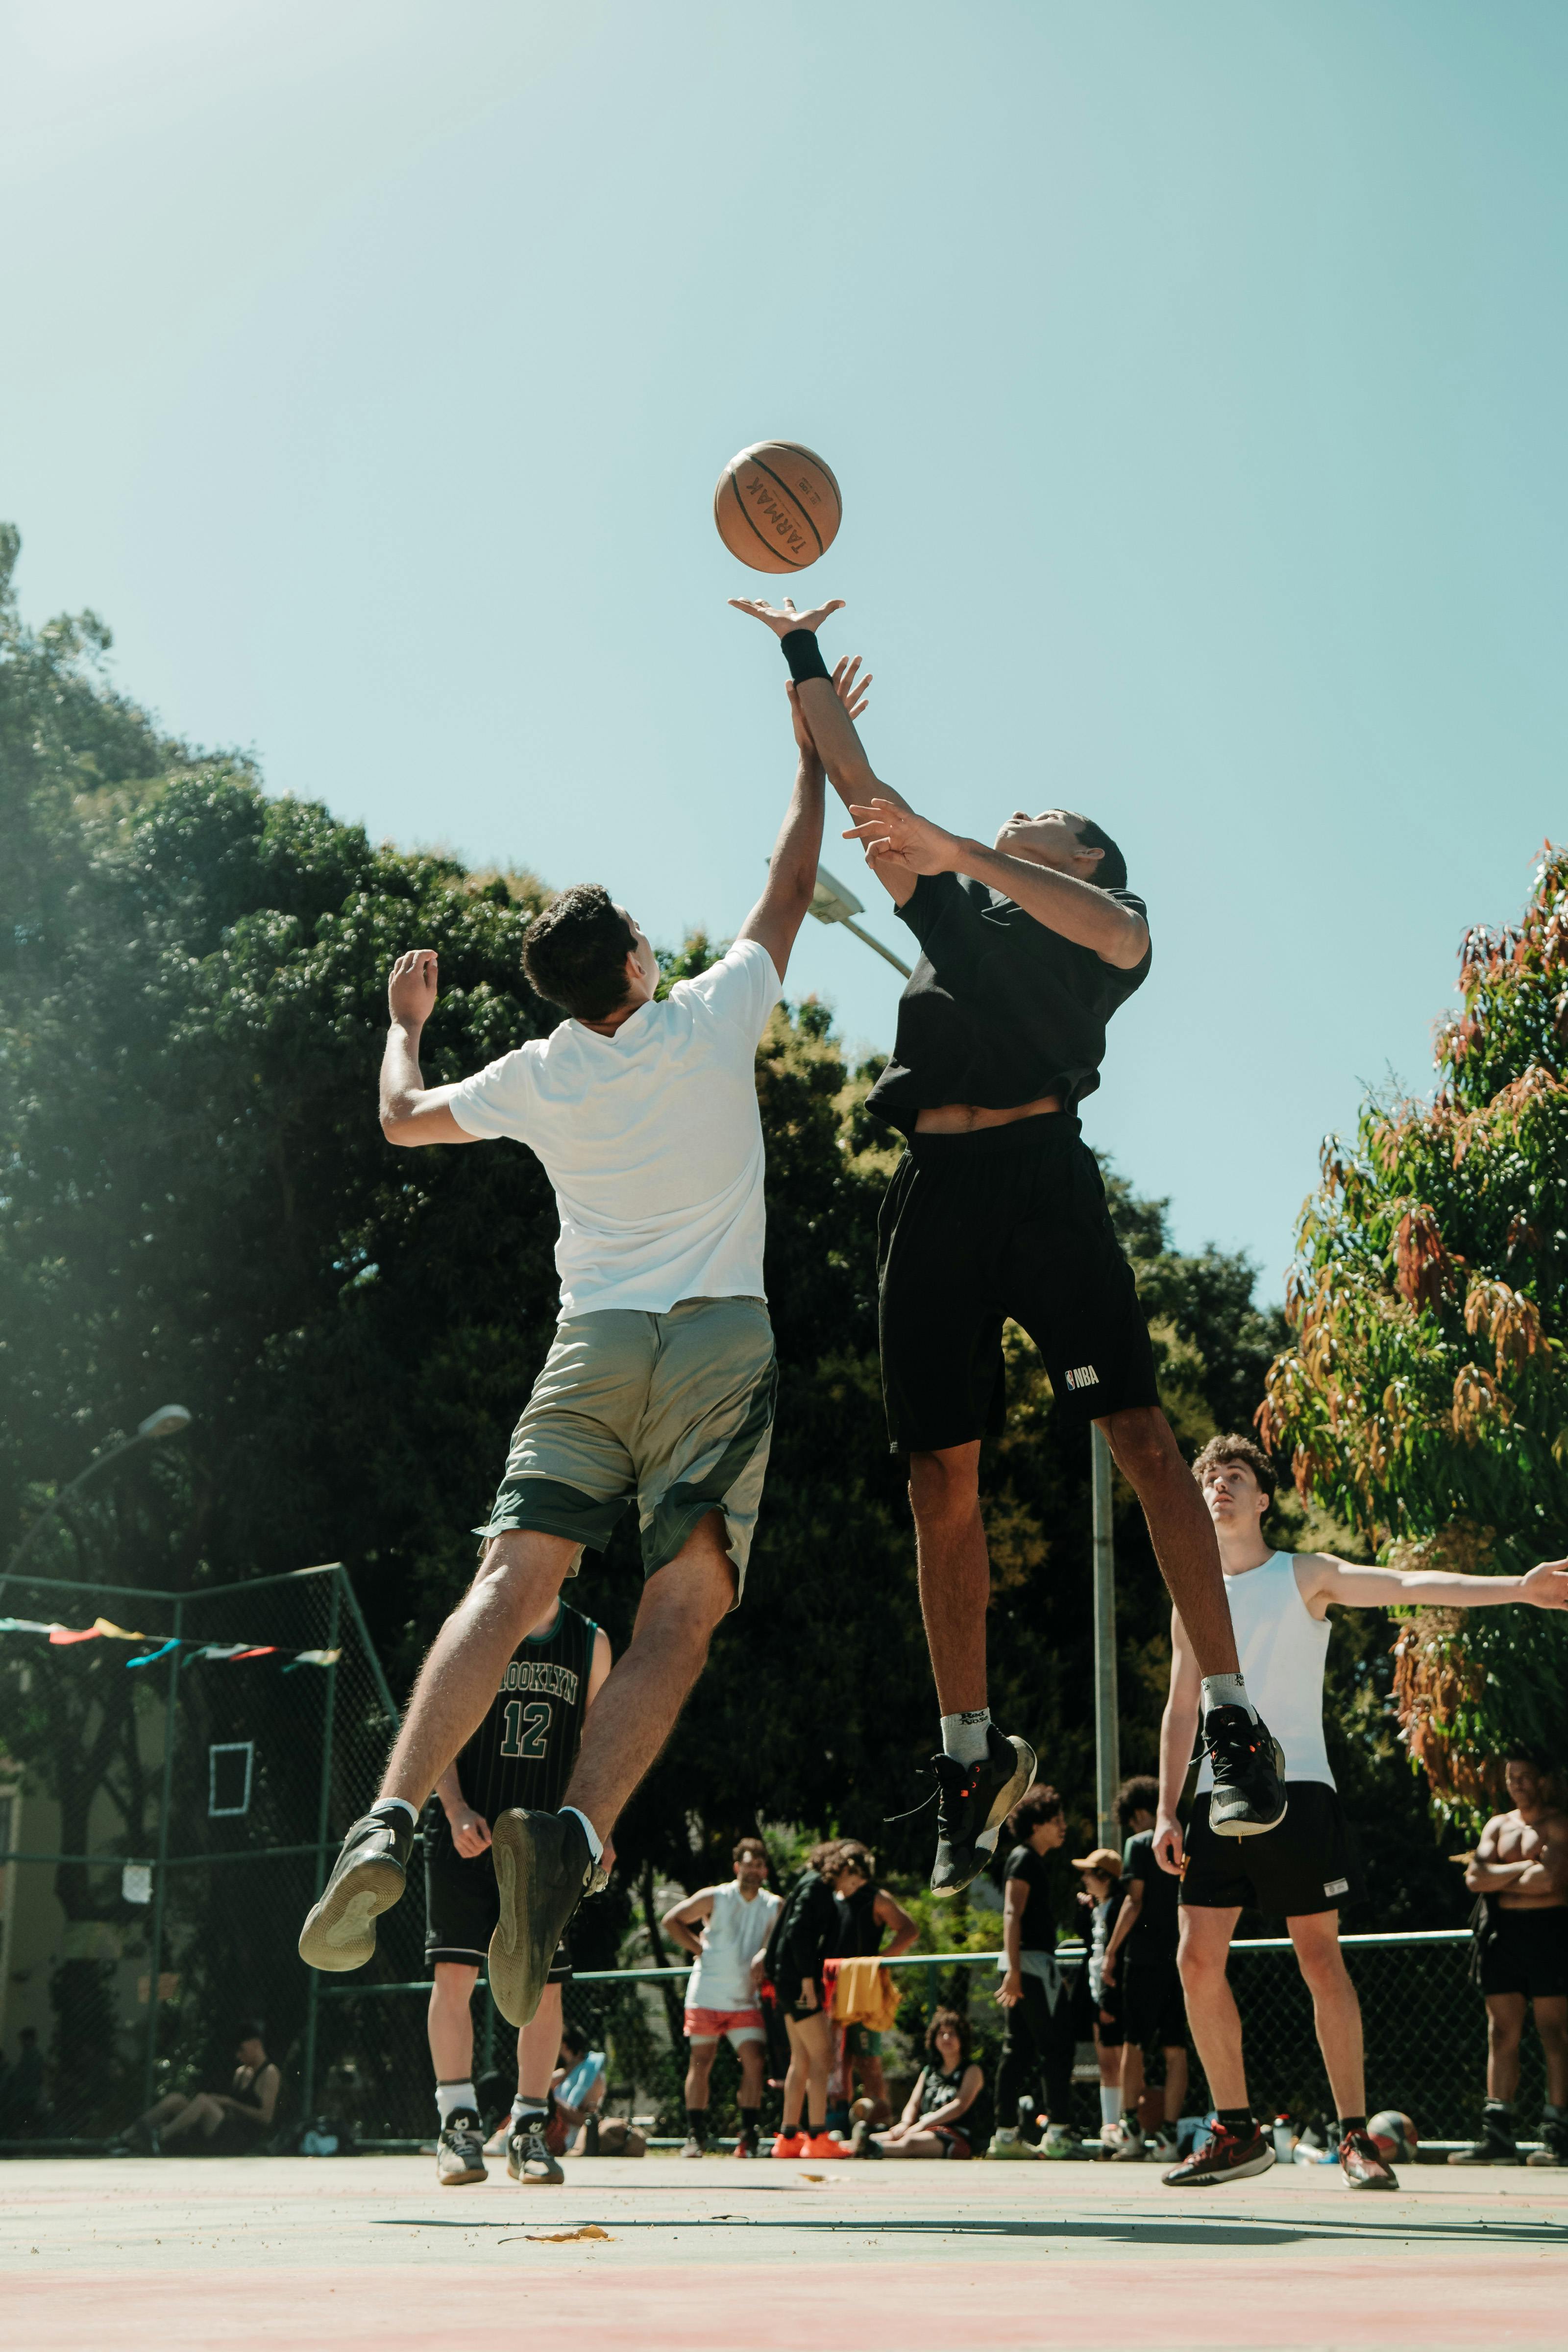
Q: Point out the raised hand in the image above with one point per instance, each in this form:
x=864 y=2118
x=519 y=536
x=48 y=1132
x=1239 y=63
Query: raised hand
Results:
x=1546 y=1587
x=896 y=838
x=411 y=987
x=781 y=618
x=852 y=693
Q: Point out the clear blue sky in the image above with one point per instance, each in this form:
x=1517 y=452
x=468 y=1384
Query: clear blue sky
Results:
x=1194 y=373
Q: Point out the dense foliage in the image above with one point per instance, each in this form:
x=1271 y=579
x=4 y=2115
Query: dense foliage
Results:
x=1426 y=1398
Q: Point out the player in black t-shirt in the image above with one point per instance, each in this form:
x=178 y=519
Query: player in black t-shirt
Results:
x=997 y=1209
x=1141 y=1962
x=1037 y=2038
x=522 y=1754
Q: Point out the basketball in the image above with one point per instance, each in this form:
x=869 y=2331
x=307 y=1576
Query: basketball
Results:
x=777 y=507
x=1394 y=2136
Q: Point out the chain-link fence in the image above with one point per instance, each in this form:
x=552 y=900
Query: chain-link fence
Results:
x=1426 y=2038
x=175 y=1772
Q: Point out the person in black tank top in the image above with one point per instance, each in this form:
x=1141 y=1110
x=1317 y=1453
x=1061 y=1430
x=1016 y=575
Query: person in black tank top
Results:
x=867 y=1912
x=939 y=2114
x=521 y=1754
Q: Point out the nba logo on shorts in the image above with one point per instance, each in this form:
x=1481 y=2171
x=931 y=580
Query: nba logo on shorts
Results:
x=1083 y=1376
x=1336 y=1887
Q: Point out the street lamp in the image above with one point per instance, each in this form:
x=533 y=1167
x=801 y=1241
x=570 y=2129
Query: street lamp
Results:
x=832 y=903
x=167 y=1421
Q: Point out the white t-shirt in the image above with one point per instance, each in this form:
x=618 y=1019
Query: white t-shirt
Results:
x=734 y=1934
x=651 y=1138
x=1283 y=1649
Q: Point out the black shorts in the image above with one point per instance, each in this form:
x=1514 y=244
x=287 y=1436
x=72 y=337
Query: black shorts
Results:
x=1527 y=1952
x=1008 y=1223
x=462 y=1903
x=1301 y=1867
x=1154 y=2014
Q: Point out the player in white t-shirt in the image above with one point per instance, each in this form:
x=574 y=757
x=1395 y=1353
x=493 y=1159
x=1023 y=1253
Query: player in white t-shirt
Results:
x=1279 y=1605
x=659 y=1386
x=728 y=1928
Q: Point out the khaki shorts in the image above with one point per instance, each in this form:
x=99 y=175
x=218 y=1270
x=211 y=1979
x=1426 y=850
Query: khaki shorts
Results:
x=675 y=1409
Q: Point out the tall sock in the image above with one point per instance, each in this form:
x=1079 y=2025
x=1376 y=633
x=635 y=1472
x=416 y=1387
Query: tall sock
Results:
x=697 y=2124
x=751 y=2122
x=595 y=1842
x=384 y=1805
x=1129 y=2117
x=524 y=2106
x=964 y=1736
x=1239 y=2120
x=1226 y=1690
x=450 y=2097
x=1348 y=2123
x=1110 y=2104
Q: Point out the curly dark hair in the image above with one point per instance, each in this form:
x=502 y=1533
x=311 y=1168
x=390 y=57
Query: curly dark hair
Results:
x=575 y=952
x=1239 y=1449
x=1141 y=1794
x=1040 y=1803
x=960 y=2024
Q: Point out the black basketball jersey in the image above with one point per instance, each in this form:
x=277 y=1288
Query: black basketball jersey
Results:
x=524 y=1751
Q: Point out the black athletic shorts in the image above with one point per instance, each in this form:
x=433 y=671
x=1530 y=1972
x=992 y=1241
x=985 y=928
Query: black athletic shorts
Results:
x=1154 y=2014
x=462 y=1902
x=1301 y=1866
x=1006 y=1223
x=1527 y=1952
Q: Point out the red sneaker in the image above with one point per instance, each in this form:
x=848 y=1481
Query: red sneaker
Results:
x=1227 y=2156
x=821 y=2144
x=789 y=2145
x=1362 y=2164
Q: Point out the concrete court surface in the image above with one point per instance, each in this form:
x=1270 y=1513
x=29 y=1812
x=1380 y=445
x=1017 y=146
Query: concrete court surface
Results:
x=844 y=2257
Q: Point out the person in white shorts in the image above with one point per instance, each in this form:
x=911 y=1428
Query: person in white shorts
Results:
x=659 y=1386
x=728 y=1928
x=1279 y=1605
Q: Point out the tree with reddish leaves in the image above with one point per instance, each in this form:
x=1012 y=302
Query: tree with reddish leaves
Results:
x=1425 y=1400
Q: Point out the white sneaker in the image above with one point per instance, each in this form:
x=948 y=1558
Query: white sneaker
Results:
x=528 y=2159
x=693 y=2147
x=1127 y=2143
x=460 y=2150
x=1011 y=2145
x=1162 y=2147
x=1058 y=2143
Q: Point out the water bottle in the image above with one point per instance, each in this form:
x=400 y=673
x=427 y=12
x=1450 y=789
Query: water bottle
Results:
x=1283 y=2144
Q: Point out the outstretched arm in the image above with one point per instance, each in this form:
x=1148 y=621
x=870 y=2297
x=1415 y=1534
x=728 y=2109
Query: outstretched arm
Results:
x=776 y=918
x=411 y=1112
x=1328 y=1578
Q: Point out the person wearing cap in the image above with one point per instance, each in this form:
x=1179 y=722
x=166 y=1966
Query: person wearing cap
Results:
x=1100 y=2005
x=1038 y=2039
x=1142 y=1975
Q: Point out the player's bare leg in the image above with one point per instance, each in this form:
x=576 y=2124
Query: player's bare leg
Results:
x=460 y=2151
x=528 y=2156
x=1180 y=1528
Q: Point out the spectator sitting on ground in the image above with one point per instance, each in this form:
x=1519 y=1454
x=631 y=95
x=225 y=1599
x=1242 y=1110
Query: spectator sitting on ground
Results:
x=229 y=2123
x=939 y=2113
x=578 y=2088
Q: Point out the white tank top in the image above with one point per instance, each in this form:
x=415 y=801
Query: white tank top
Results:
x=1282 y=1648
x=734 y=1935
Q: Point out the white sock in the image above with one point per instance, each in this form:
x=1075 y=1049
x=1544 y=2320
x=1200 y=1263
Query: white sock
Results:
x=1226 y=1690
x=450 y=2097
x=384 y=1804
x=595 y=1842
x=1110 y=2104
x=964 y=1736
x=521 y=2106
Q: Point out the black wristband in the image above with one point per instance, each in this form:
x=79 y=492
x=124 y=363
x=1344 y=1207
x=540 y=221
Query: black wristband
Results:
x=804 y=654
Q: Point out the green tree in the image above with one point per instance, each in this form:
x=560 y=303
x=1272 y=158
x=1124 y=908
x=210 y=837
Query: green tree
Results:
x=1425 y=1400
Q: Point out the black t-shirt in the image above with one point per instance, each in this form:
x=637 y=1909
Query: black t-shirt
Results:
x=999 y=1010
x=1155 y=1935
x=1037 y=1928
x=524 y=1751
x=860 y=1931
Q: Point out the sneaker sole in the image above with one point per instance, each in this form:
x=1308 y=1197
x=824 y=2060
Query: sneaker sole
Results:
x=1263 y=2162
x=1240 y=1829
x=517 y=1982
x=1367 y=2184
x=1002 y=1805
x=460 y=2179
x=340 y=1933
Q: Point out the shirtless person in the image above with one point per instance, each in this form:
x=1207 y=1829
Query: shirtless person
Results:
x=1280 y=1603
x=1521 y=1867
x=997 y=1209
x=727 y=1929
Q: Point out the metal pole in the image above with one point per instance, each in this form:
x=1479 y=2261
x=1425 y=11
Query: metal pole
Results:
x=885 y=953
x=155 y=1940
x=312 y=1994
x=1107 y=1728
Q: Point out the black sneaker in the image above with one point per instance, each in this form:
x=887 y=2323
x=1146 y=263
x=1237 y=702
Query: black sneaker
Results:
x=1496 y=2144
x=527 y=2157
x=1227 y=2156
x=973 y=1800
x=368 y=1878
x=1362 y=2164
x=1249 y=1774
x=460 y=2150
x=542 y=1869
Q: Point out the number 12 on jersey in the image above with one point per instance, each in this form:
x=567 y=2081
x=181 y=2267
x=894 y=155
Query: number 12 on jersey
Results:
x=527 y=1729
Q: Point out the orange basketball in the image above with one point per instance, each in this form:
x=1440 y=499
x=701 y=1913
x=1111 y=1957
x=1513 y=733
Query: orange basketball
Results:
x=777 y=507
